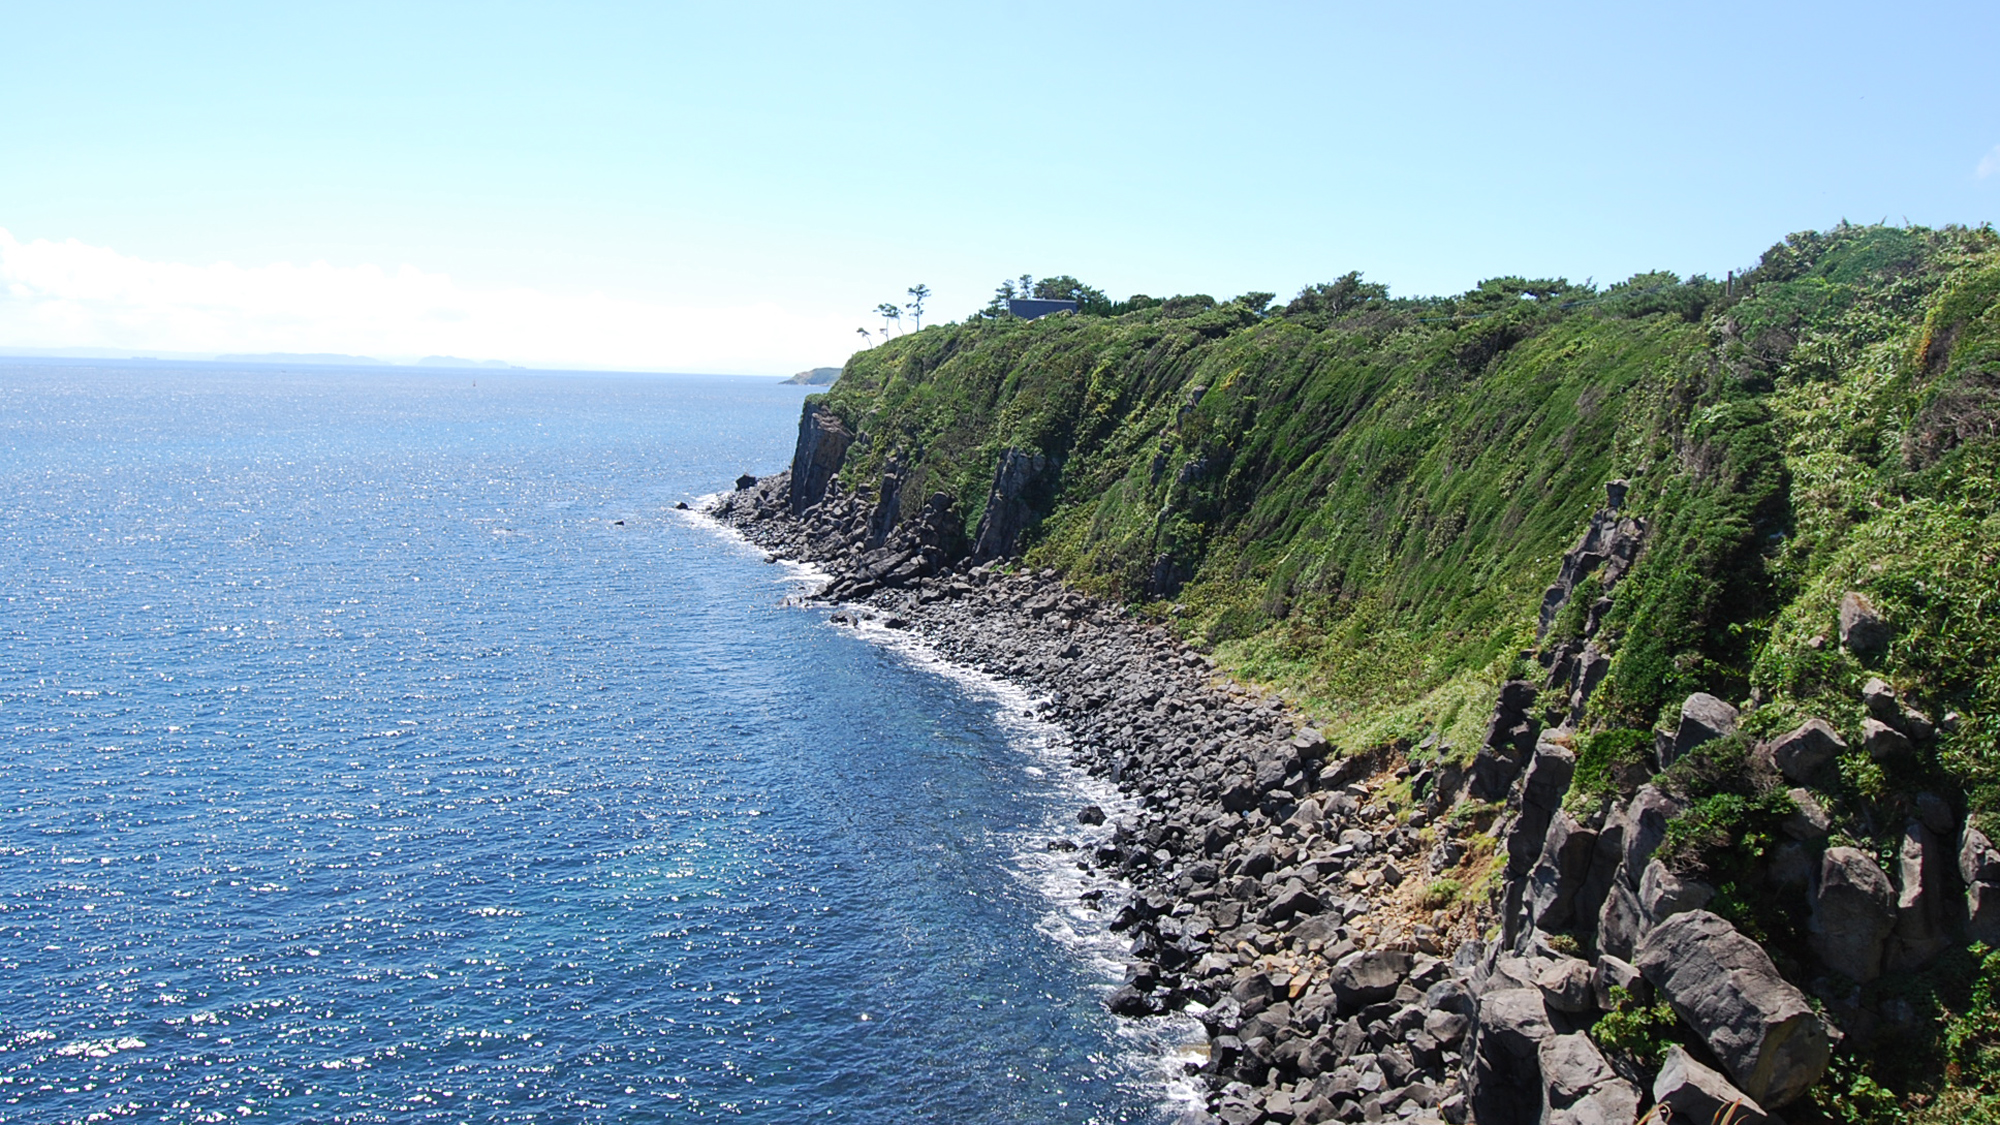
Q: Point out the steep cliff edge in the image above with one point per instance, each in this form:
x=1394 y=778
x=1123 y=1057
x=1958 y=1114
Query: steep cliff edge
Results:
x=1653 y=632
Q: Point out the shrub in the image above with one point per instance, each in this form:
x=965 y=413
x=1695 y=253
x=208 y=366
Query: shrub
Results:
x=1440 y=894
x=1637 y=1031
x=1724 y=825
x=1599 y=759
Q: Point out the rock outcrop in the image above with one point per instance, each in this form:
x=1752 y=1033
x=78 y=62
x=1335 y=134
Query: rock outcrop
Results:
x=822 y=449
x=1704 y=718
x=1862 y=628
x=1697 y=1094
x=1008 y=508
x=1802 y=753
x=1853 y=912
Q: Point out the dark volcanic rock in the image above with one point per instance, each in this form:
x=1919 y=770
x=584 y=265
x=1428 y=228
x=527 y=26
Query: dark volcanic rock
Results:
x=1726 y=988
x=1506 y=1080
x=1853 y=913
x=1579 y=1087
x=1009 y=506
x=822 y=448
x=1802 y=753
x=1704 y=718
x=1862 y=629
x=1697 y=1094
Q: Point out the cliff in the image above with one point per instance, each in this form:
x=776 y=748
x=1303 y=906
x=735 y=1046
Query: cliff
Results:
x=1666 y=618
x=815 y=377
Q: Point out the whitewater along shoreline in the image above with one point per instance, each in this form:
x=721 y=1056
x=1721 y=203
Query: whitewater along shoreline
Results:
x=1274 y=884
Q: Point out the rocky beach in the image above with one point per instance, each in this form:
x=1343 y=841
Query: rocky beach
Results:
x=1273 y=884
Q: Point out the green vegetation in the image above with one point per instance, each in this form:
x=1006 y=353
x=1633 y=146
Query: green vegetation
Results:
x=1601 y=756
x=1641 y=1032
x=1440 y=894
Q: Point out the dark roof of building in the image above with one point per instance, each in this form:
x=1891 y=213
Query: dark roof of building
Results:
x=1029 y=308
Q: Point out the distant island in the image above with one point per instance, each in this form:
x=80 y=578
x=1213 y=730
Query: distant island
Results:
x=454 y=361
x=817 y=377
x=324 y=358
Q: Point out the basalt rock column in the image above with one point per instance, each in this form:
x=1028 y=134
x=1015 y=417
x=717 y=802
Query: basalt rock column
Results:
x=822 y=447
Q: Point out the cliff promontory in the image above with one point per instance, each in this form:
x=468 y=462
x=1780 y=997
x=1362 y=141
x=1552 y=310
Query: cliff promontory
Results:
x=1548 y=702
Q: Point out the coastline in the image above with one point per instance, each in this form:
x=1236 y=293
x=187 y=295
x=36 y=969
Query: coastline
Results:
x=1271 y=884
x=1052 y=858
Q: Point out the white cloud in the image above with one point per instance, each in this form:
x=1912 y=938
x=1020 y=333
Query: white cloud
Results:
x=70 y=295
x=1990 y=164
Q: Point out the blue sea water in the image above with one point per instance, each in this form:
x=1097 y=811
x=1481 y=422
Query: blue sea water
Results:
x=383 y=746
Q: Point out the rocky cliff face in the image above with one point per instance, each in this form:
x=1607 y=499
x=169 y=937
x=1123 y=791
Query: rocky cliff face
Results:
x=822 y=448
x=1009 y=507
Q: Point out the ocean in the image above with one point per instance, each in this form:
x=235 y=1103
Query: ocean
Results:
x=382 y=745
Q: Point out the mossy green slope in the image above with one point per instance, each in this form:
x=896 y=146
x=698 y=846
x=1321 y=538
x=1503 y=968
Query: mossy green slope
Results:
x=1361 y=502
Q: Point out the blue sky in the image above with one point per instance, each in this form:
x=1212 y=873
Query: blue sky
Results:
x=733 y=187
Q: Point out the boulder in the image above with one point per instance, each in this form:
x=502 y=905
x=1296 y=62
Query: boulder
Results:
x=1698 y=1095
x=1504 y=1086
x=1448 y=1028
x=1917 y=725
x=1920 y=894
x=1853 y=912
x=1128 y=1000
x=1506 y=970
x=1801 y=754
x=1291 y=900
x=1645 y=825
x=1725 y=987
x=1663 y=894
x=1491 y=774
x=1368 y=977
x=1622 y=922
x=1704 y=718
x=1808 y=820
x=1568 y=984
x=1579 y=1087
x=1451 y=995
x=1616 y=972
x=1979 y=867
x=1862 y=630
x=1559 y=874
x=1884 y=741
x=1880 y=699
